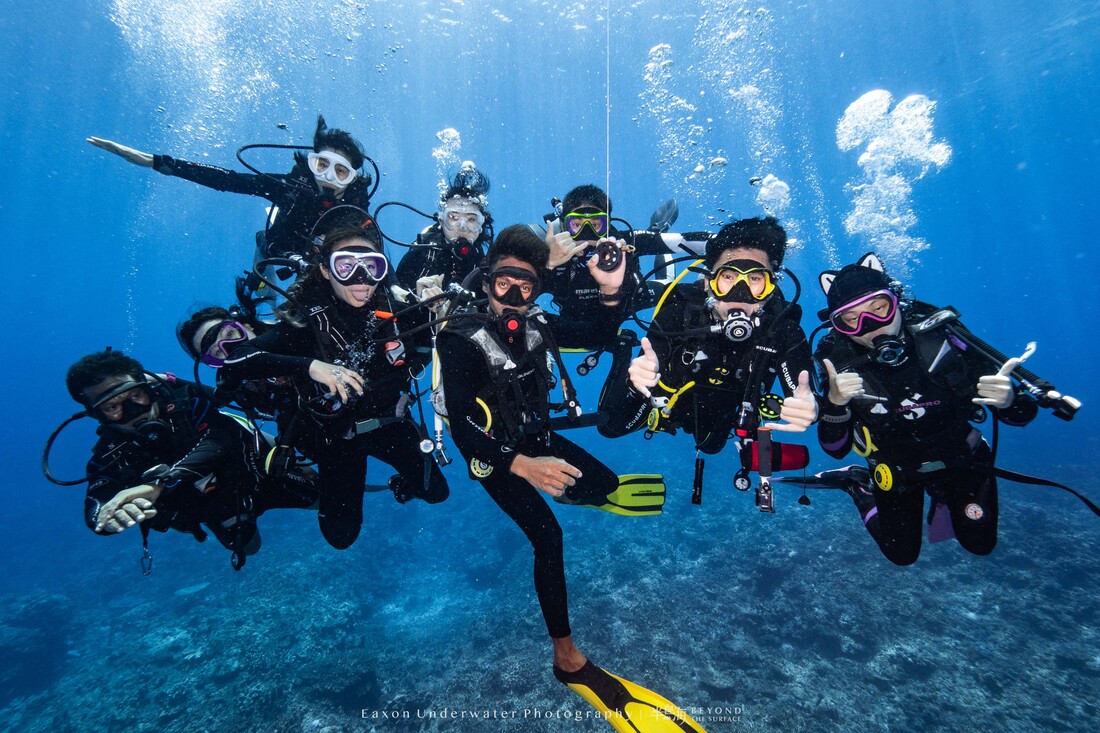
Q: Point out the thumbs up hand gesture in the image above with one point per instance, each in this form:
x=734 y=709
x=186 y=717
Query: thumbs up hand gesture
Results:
x=995 y=390
x=843 y=387
x=644 y=370
x=799 y=410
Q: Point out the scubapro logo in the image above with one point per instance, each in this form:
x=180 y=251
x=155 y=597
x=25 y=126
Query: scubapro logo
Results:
x=913 y=410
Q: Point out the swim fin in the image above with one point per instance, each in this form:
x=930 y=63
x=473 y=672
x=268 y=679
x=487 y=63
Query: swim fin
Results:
x=628 y=707
x=847 y=479
x=638 y=495
x=664 y=217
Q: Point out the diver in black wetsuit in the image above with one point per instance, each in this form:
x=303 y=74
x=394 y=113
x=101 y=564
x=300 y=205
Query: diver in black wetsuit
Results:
x=903 y=392
x=454 y=246
x=210 y=334
x=716 y=346
x=167 y=459
x=328 y=177
x=496 y=383
x=582 y=222
x=336 y=332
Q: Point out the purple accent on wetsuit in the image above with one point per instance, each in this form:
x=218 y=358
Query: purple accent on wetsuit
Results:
x=867 y=517
x=837 y=445
x=940 y=528
x=957 y=342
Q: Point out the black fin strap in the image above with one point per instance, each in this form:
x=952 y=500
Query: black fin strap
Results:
x=1022 y=478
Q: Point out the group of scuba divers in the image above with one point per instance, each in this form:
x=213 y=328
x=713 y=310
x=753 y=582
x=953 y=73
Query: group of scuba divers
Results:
x=897 y=381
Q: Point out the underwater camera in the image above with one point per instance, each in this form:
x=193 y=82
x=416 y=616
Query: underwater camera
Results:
x=608 y=255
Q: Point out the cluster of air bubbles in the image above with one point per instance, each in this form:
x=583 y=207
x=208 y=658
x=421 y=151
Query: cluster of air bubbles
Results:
x=209 y=58
x=741 y=64
x=681 y=135
x=361 y=353
x=898 y=149
x=446 y=155
x=773 y=195
x=224 y=63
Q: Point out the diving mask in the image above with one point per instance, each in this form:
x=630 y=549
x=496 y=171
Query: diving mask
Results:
x=358 y=266
x=123 y=403
x=513 y=286
x=742 y=281
x=462 y=217
x=598 y=224
x=218 y=340
x=865 y=314
x=332 y=168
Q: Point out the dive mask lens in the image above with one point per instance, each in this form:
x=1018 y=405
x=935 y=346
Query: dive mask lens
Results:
x=865 y=314
x=123 y=403
x=742 y=281
x=332 y=168
x=597 y=222
x=514 y=286
x=218 y=341
x=463 y=216
x=344 y=264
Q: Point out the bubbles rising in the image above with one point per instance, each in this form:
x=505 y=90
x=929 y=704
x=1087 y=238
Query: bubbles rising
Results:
x=774 y=195
x=898 y=149
x=446 y=154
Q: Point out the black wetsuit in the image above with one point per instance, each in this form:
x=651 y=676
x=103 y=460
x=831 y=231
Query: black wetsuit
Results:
x=263 y=399
x=517 y=407
x=432 y=255
x=301 y=201
x=338 y=333
x=577 y=296
x=725 y=373
x=209 y=468
x=919 y=438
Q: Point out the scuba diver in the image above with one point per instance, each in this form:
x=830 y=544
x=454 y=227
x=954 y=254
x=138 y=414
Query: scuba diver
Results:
x=713 y=351
x=210 y=334
x=167 y=459
x=454 y=245
x=574 y=233
x=326 y=178
x=496 y=364
x=339 y=339
x=903 y=389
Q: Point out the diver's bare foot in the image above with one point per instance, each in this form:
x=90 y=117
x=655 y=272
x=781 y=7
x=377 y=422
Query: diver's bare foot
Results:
x=567 y=657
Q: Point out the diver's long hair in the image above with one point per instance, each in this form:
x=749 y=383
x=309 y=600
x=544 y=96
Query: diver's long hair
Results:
x=468 y=182
x=338 y=140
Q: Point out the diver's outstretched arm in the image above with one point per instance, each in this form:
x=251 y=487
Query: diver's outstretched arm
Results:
x=136 y=157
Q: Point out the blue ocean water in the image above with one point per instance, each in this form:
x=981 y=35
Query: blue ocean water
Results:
x=976 y=176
